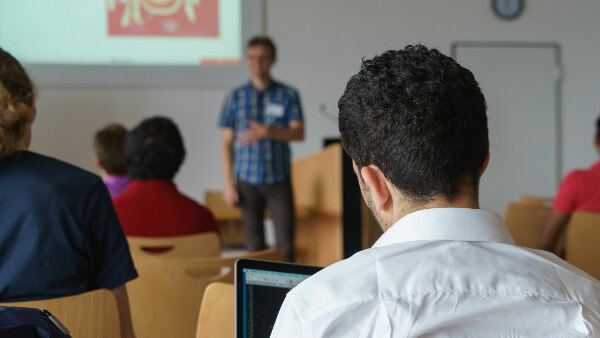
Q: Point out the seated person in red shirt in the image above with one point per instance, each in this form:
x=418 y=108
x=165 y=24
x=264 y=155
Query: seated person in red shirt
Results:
x=152 y=206
x=579 y=191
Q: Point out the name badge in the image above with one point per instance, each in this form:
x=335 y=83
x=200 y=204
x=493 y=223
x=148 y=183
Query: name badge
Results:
x=274 y=109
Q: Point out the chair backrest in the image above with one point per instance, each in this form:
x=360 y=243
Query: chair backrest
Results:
x=198 y=245
x=87 y=315
x=165 y=299
x=536 y=200
x=217 y=317
x=583 y=242
x=525 y=223
x=214 y=200
x=222 y=212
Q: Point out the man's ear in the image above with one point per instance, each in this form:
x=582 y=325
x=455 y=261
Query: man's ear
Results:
x=33 y=111
x=376 y=182
x=485 y=164
x=98 y=163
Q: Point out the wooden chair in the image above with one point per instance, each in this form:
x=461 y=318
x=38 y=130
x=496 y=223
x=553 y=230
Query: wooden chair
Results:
x=525 y=223
x=583 y=242
x=222 y=212
x=198 y=245
x=87 y=315
x=229 y=219
x=165 y=299
x=217 y=317
x=535 y=200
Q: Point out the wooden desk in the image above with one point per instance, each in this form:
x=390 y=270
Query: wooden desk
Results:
x=234 y=214
x=230 y=219
x=227 y=215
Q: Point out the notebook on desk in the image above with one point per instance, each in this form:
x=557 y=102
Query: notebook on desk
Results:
x=260 y=288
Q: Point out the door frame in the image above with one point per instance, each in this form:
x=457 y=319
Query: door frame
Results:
x=558 y=78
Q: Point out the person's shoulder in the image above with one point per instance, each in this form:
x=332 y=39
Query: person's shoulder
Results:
x=591 y=174
x=556 y=277
x=190 y=203
x=125 y=198
x=46 y=180
x=349 y=281
x=285 y=87
x=581 y=178
x=576 y=175
x=58 y=170
x=239 y=89
x=196 y=205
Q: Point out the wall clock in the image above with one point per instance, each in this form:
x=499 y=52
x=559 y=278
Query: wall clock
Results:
x=508 y=9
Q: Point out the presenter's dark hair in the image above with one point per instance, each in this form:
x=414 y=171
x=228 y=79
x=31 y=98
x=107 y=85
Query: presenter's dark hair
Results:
x=17 y=94
x=598 y=127
x=108 y=145
x=420 y=118
x=154 y=150
x=263 y=41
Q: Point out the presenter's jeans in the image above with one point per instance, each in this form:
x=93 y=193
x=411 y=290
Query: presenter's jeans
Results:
x=279 y=199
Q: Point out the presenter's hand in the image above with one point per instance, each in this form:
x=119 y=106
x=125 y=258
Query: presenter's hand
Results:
x=255 y=133
x=231 y=196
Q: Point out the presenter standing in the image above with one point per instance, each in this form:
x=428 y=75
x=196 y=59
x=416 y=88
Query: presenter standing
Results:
x=258 y=120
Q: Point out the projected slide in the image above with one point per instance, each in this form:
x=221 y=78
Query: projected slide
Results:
x=163 y=18
x=123 y=32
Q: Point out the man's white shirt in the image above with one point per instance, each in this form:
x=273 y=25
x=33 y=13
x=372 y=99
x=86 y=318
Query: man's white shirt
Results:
x=445 y=272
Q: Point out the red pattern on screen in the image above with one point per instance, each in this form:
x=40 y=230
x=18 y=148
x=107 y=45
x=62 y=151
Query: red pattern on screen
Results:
x=179 y=18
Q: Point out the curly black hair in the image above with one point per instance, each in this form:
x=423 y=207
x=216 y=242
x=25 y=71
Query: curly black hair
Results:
x=420 y=118
x=154 y=149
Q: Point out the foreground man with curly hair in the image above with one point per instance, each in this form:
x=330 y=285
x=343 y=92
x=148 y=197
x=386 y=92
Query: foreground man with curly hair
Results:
x=414 y=122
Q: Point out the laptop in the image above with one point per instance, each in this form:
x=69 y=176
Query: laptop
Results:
x=260 y=288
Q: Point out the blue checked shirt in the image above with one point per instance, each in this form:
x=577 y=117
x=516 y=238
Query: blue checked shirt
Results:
x=266 y=161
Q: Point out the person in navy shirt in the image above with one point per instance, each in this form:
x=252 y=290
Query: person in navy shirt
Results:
x=59 y=233
x=258 y=120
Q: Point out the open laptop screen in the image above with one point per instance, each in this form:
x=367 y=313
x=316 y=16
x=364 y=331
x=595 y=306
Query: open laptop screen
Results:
x=261 y=288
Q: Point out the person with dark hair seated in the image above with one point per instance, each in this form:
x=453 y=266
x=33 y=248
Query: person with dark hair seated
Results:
x=152 y=206
x=414 y=123
x=59 y=234
x=110 y=160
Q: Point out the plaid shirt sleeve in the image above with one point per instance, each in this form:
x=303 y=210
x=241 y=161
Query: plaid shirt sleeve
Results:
x=295 y=112
x=227 y=117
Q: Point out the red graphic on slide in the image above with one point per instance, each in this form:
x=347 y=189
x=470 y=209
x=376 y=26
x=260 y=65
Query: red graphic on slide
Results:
x=180 y=18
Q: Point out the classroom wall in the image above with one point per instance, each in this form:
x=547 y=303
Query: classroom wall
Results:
x=321 y=43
